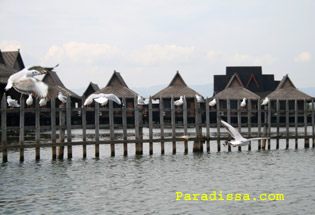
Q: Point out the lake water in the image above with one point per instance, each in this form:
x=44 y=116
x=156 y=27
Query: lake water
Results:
x=148 y=184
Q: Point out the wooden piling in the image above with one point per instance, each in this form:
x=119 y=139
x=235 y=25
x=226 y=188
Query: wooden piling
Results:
x=278 y=123
x=263 y=142
x=313 y=123
x=21 y=136
x=198 y=145
x=53 y=128
x=185 y=121
x=62 y=123
x=138 y=145
x=124 y=122
x=259 y=122
x=228 y=106
x=239 y=120
x=97 y=129
x=173 y=124
x=68 y=116
x=249 y=122
x=218 y=125
x=150 y=126
x=4 y=128
x=37 y=129
x=83 y=112
x=296 y=123
x=306 y=140
x=208 y=124
x=111 y=127
x=162 y=124
x=287 y=122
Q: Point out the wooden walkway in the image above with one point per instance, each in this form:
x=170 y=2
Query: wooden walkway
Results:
x=61 y=126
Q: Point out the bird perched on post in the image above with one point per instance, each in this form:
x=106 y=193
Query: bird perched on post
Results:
x=179 y=102
x=29 y=101
x=62 y=98
x=243 y=103
x=212 y=103
x=199 y=99
x=12 y=103
x=42 y=103
x=265 y=101
x=25 y=83
x=140 y=100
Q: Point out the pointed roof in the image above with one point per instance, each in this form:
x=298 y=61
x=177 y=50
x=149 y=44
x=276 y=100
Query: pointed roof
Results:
x=176 y=88
x=91 y=89
x=53 y=79
x=13 y=59
x=117 y=86
x=287 y=91
x=236 y=90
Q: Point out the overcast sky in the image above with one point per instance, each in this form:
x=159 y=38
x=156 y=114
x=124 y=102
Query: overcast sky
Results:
x=147 y=41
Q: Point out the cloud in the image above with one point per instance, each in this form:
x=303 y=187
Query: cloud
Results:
x=303 y=57
x=9 y=45
x=157 y=54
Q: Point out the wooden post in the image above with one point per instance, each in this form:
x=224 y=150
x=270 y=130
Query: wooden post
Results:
x=218 y=125
x=111 y=127
x=138 y=148
x=37 y=129
x=124 y=121
x=287 y=122
x=198 y=145
x=278 y=124
x=306 y=140
x=249 y=122
x=97 y=129
x=4 y=128
x=263 y=145
x=228 y=105
x=208 y=124
x=296 y=123
x=62 y=123
x=259 y=122
x=53 y=128
x=21 y=137
x=150 y=126
x=68 y=115
x=313 y=123
x=185 y=121
x=83 y=112
x=162 y=124
x=173 y=124
x=269 y=125
x=239 y=120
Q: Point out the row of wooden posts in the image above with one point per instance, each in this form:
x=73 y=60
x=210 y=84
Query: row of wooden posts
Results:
x=65 y=124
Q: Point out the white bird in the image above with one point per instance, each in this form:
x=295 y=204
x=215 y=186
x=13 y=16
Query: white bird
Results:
x=265 y=101
x=179 y=102
x=199 y=99
x=42 y=102
x=101 y=98
x=212 y=103
x=29 y=100
x=239 y=140
x=140 y=100
x=25 y=83
x=62 y=98
x=12 y=103
x=243 y=103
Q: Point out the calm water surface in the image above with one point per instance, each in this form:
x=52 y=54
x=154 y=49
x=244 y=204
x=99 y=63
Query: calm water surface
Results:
x=148 y=184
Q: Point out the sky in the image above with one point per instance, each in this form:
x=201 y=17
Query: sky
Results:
x=147 y=41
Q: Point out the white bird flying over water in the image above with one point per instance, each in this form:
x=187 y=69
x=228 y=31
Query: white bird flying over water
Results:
x=25 y=83
x=239 y=140
x=265 y=101
x=101 y=98
x=12 y=103
x=243 y=103
x=29 y=100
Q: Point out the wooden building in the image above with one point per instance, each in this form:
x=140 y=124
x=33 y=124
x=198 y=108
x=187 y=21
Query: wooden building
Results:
x=92 y=88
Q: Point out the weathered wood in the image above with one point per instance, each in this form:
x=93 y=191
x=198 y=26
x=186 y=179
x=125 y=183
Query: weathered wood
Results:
x=185 y=121
x=124 y=121
x=208 y=124
x=97 y=129
x=228 y=105
x=68 y=116
x=21 y=136
x=62 y=123
x=263 y=142
x=313 y=123
x=249 y=122
x=150 y=126
x=162 y=124
x=306 y=140
x=4 y=139
x=138 y=146
x=269 y=125
x=218 y=126
x=198 y=145
x=239 y=120
x=53 y=127
x=259 y=122
x=296 y=123
x=111 y=127
x=287 y=121
x=83 y=112
x=173 y=124
x=37 y=129
x=278 y=123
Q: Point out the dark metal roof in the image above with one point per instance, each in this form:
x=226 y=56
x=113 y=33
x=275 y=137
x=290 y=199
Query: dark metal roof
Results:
x=176 y=88
x=118 y=86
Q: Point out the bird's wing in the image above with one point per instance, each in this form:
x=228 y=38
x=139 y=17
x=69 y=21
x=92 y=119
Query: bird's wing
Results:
x=101 y=99
x=259 y=138
x=232 y=131
x=32 y=86
x=113 y=98
x=42 y=70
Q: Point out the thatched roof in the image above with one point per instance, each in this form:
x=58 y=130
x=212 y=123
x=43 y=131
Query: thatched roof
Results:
x=5 y=73
x=236 y=90
x=287 y=91
x=117 y=86
x=53 y=79
x=91 y=89
x=176 y=88
x=13 y=59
